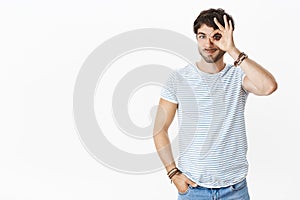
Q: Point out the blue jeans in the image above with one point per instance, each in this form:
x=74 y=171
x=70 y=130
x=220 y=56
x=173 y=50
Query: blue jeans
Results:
x=238 y=191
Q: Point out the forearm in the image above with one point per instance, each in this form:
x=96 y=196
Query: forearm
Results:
x=262 y=79
x=164 y=149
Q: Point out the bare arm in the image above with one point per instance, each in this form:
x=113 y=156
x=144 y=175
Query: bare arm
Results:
x=164 y=117
x=258 y=80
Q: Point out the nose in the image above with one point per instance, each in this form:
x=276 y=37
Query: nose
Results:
x=208 y=42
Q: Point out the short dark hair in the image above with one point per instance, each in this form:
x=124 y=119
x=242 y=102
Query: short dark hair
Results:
x=207 y=17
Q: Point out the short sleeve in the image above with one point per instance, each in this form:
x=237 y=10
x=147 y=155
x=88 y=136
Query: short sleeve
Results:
x=243 y=75
x=168 y=91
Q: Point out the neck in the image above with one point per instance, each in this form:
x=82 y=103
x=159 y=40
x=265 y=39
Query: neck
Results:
x=211 y=68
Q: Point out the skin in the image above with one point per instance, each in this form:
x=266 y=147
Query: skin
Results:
x=257 y=81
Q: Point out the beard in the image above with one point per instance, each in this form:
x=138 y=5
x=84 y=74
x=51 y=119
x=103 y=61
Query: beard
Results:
x=211 y=58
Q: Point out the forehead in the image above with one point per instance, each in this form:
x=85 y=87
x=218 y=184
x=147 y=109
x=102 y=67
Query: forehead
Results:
x=205 y=29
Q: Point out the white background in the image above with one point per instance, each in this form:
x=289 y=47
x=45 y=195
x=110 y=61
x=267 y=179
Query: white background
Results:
x=42 y=47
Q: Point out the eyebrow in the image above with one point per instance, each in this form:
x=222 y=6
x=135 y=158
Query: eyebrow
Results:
x=201 y=33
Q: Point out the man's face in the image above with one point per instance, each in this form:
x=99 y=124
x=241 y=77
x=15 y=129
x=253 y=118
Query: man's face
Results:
x=209 y=52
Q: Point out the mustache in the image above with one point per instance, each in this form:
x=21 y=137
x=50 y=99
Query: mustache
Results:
x=210 y=49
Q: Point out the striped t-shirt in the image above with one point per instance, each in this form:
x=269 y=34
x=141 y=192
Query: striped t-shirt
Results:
x=212 y=136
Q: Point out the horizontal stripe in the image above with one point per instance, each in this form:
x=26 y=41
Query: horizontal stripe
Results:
x=212 y=135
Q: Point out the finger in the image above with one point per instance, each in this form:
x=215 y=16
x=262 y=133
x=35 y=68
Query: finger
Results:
x=191 y=183
x=215 y=35
x=225 y=21
x=218 y=24
x=230 y=25
x=216 y=31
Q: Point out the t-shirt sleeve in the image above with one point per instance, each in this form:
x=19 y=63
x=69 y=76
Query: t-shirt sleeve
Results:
x=243 y=75
x=168 y=91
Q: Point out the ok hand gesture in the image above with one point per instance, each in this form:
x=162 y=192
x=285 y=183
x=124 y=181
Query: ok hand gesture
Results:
x=225 y=42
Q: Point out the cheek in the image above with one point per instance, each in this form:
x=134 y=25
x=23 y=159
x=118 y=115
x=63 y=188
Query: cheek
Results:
x=199 y=47
x=200 y=43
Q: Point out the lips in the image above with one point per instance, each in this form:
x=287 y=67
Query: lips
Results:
x=210 y=51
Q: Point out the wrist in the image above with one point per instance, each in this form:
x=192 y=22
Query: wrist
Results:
x=170 y=167
x=173 y=173
x=234 y=53
x=175 y=176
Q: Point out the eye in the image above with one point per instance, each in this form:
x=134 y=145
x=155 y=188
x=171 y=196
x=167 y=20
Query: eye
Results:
x=217 y=36
x=201 y=36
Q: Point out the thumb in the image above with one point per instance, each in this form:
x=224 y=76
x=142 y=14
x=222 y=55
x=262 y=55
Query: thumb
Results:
x=193 y=184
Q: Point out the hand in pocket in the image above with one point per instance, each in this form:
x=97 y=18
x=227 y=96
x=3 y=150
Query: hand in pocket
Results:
x=182 y=183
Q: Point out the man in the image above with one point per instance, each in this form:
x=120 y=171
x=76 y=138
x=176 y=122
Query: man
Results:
x=210 y=98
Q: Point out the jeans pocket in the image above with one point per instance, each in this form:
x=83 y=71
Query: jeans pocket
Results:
x=239 y=186
x=186 y=192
